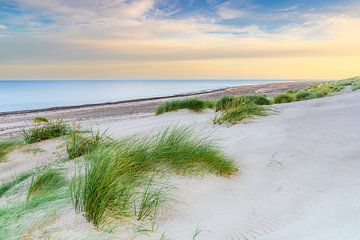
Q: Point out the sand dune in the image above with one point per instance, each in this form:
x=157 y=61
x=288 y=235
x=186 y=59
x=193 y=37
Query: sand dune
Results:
x=299 y=176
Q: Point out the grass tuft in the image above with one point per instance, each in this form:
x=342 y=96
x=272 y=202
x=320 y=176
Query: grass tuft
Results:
x=227 y=102
x=316 y=90
x=46 y=131
x=192 y=104
x=355 y=82
x=283 y=98
x=116 y=184
x=16 y=218
x=6 y=146
x=18 y=179
x=182 y=150
x=46 y=181
x=152 y=196
x=40 y=119
x=79 y=145
x=235 y=115
x=356 y=86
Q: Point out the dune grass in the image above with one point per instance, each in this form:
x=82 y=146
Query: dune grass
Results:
x=304 y=95
x=355 y=82
x=18 y=217
x=283 y=98
x=40 y=119
x=184 y=151
x=238 y=108
x=151 y=197
x=46 y=181
x=229 y=102
x=118 y=179
x=356 y=86
x=46 y=131
x=299 y=95
x=48 y=192
x=9 y=184
x=192 y=104
x=240 y=113
x=6 y=146
x=316 y=90
x=79 y=145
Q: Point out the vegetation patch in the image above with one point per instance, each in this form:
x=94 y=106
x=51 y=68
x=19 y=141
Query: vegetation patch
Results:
x=17 y=218
x=355 y=82
x=46 y=131
x=40 y=119
x=283 y=98
x=240 y=113
x=79 y=145
x=119 y=176
x=47 y=193
x=47 y=181
x=192 y=104
x=316 y=90
x=228 y=102
x=6 y=146
x=9 y=184
x=356 y=86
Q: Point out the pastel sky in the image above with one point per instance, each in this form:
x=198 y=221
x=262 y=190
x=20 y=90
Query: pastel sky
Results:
x=179 y=39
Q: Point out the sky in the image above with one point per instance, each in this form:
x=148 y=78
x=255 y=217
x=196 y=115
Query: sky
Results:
x=179 y=39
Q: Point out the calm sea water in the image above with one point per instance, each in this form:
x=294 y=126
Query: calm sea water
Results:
x=26 y=95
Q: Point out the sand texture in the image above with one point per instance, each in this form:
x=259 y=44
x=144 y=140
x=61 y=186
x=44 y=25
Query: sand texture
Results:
x=299 y=176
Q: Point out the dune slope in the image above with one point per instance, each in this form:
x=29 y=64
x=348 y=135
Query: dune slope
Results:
x=299 y=174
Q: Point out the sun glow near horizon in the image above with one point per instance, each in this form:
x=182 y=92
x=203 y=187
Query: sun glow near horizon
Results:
x=148 y=39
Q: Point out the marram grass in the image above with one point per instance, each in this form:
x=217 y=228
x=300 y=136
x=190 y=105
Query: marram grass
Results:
x=16 y=218
x=355 y=82
x=238 y=114
x=284 y=98
x=316 y=90
x=6 y=146
x=6 y=186
x=229 y=102
x=46 y=181
x=40 y=119
x=79 y=145
x=192 y=104
x=115 y=181
x=46 y=131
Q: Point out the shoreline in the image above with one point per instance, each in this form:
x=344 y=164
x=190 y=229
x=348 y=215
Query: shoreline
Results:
x=188 y=94
x=138 y=100
x=293 y=177
x=12 y=124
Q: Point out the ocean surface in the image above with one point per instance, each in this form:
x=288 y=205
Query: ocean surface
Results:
x=28 y=95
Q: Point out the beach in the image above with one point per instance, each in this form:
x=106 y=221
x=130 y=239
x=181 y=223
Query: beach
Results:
x=298 y=170
x=12 y=123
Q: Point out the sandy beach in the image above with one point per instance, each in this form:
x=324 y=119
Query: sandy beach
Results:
x=179 y=120
x=298 y=174
x=12 y=123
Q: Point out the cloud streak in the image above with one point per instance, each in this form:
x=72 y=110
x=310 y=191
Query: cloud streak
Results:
x=119 y=33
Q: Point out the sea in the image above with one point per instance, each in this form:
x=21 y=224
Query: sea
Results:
x=40 y=94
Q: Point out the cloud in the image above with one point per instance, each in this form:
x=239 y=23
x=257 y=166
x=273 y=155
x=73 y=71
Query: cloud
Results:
x=3 y=27
x=225 y=11
x=136 y=36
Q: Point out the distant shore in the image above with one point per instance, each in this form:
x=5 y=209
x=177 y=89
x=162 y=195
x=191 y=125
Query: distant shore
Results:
x=12 y=123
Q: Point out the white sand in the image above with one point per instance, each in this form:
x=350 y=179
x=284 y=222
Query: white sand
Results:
x=31 y=156
x=300 y=174
x=299 y=179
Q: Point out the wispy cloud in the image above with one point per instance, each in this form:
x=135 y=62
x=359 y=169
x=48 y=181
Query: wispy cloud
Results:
x=124 y=33
x=226 y=11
